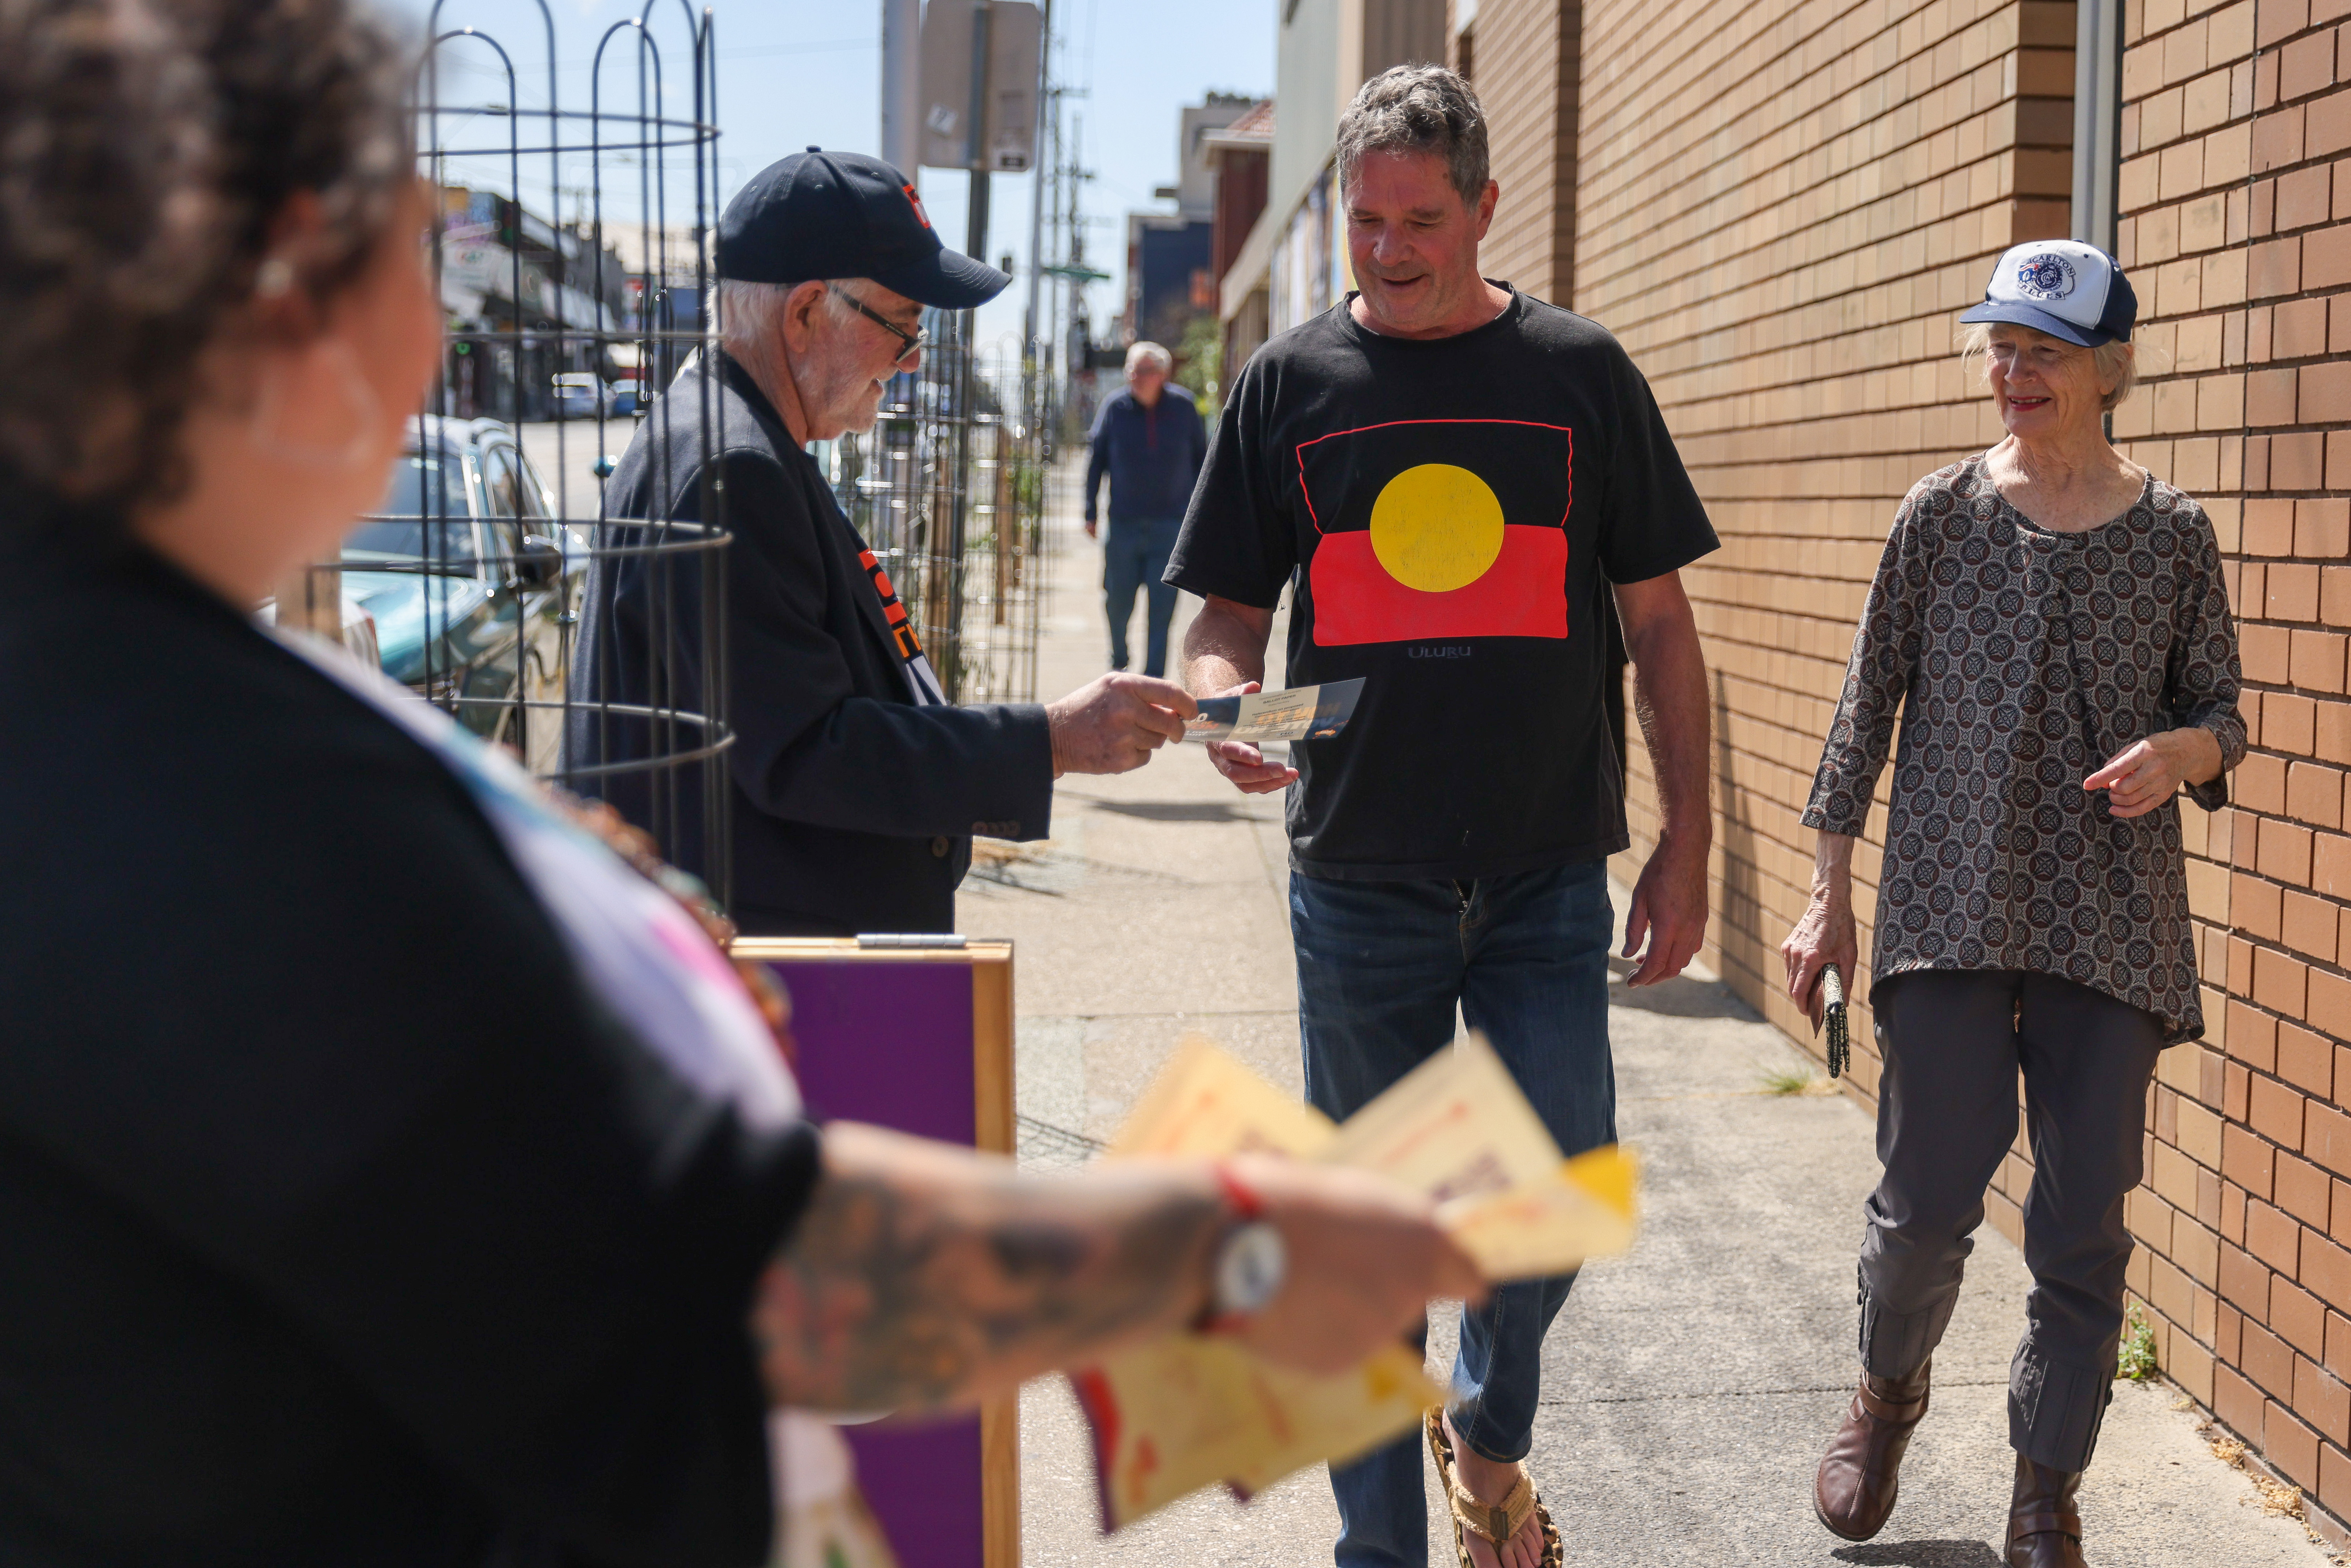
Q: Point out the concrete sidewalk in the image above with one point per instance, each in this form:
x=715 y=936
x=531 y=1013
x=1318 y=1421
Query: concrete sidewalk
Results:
x=1689 y=1386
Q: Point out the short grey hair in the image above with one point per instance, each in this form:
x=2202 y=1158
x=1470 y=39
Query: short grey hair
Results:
x=1417 y=108
x=748 y=312
x=2116 y=362
x=1147 y=352
x=751 y=320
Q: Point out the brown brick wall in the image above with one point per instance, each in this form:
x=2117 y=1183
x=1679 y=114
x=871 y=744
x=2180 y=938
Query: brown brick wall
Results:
x=1781 y=209
x=1524 y=64
x=2237 y=199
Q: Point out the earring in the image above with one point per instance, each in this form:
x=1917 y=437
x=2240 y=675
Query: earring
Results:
x=304 y=450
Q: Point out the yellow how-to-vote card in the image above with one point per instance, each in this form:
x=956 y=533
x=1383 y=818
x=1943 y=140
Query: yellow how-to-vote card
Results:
x=1455 y=1126
x=1189 y=1411
x=1208 y=1105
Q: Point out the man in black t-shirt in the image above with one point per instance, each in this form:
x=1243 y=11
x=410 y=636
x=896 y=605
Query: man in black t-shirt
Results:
x=1453 y=479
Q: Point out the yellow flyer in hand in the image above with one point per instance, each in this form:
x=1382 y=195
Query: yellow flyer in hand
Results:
x=1583 y=1209
x=1189 y=1411
x=1455 y=1126
x=1207 y=1105
x=1186 y=1412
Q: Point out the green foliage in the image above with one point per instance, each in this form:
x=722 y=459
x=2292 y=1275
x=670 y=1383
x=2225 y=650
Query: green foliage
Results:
x=1027 y=486
x=1790 y=1082
x=2136 y=1358
x=1200 y=363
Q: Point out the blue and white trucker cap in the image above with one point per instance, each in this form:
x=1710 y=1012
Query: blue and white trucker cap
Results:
x=2062 y=288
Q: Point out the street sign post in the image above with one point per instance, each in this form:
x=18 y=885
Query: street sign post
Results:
x=993 y=129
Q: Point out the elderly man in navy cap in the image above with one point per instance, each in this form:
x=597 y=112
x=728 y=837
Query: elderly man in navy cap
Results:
x=857 y=786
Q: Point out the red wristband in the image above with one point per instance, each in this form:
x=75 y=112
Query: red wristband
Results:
x=1246 y=1204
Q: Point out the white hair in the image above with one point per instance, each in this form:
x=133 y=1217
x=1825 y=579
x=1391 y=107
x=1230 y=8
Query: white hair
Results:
x=749 y=313
x=1149 y=353
x=2115 y=361
x=751 y=321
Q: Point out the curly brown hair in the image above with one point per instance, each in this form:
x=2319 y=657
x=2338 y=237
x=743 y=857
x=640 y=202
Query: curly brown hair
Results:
x=146 y=146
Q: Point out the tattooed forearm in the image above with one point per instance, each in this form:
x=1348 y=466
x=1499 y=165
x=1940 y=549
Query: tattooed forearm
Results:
x=922 y=1276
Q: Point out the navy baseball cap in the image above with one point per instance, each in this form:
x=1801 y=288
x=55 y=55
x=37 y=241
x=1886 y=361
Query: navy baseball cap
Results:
x=2062 y=288
x=820 y=214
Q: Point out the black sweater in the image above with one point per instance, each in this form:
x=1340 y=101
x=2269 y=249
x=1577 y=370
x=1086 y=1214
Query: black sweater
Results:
x=853 y=807
x=339 y=1222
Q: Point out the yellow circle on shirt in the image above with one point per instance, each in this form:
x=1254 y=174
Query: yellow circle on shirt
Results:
x=1436 y=527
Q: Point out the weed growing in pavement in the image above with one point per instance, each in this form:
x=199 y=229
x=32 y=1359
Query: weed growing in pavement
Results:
x=1796 y=1081
x=2136 y=1357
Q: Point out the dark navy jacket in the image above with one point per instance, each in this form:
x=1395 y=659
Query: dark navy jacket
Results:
x=1151 y=455
x=854 y=808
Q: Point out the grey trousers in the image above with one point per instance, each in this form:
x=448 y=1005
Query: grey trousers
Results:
x=1953 y=1043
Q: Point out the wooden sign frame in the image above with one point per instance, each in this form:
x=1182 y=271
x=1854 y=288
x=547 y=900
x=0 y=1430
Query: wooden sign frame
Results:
x=887 y=1036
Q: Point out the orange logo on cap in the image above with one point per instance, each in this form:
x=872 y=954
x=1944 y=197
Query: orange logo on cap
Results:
x=916 y=201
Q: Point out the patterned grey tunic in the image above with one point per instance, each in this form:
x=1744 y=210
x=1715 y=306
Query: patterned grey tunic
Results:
x=2029 y=659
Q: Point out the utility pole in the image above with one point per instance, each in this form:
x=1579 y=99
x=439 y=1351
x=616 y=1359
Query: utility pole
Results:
x=977 y=153
x=1051 y=105
x=901 y=82
x=976 y=137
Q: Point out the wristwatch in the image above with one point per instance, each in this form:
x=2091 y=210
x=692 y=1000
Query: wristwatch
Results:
x=1251 y=1264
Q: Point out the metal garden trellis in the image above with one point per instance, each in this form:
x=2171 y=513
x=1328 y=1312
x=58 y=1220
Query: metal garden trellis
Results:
x=948 y=490
x=556 y=311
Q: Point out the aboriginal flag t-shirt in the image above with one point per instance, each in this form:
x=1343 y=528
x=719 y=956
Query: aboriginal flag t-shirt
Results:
x=1451 y=513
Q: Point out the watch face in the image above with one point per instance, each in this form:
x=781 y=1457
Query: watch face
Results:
x=1250 y=1268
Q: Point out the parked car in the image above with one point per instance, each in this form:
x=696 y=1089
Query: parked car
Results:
x=629 y=396
x=579 y=394
x=359 y=627
x=471 y=584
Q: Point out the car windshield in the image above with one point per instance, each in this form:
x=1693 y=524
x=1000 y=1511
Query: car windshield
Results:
x=425 y=502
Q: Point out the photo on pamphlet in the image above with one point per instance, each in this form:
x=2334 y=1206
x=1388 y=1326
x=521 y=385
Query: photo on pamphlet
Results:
x=1301 y=712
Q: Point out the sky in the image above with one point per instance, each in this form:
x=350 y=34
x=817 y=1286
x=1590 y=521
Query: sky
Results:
x=794 y=73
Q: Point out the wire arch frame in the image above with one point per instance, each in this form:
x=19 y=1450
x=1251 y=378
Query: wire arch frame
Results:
x=471 y=584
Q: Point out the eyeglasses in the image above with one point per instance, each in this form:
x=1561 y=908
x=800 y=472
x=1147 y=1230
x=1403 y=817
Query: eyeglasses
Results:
x=915 y=342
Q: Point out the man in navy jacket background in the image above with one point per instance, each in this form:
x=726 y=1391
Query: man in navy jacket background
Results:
x=1149 y=439
x=857 y=787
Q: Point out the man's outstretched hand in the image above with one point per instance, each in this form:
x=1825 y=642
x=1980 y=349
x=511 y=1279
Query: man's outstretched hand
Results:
x=1244 y=764
x=1114 y=722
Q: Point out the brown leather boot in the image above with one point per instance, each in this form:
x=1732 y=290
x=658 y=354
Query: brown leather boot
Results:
x=2045 y=1529
x=1854 y=1488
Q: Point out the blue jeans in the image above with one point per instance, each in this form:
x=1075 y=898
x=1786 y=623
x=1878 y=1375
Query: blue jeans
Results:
x=1134 y=555
x=1381 y=965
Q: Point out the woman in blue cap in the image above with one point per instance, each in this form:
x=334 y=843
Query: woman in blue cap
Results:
x=2051 y=620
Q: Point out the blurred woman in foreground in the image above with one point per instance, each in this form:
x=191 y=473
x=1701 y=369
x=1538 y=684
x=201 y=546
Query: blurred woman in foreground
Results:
x=387 y=1172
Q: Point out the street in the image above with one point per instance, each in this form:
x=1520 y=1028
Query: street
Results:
x=565 y=453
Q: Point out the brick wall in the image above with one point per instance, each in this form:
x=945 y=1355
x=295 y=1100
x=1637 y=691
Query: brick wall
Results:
x=2237 y=198
x=1781 y=209
x=1524 y=65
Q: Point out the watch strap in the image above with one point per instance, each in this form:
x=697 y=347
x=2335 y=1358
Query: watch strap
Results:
x=1245 y=1207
